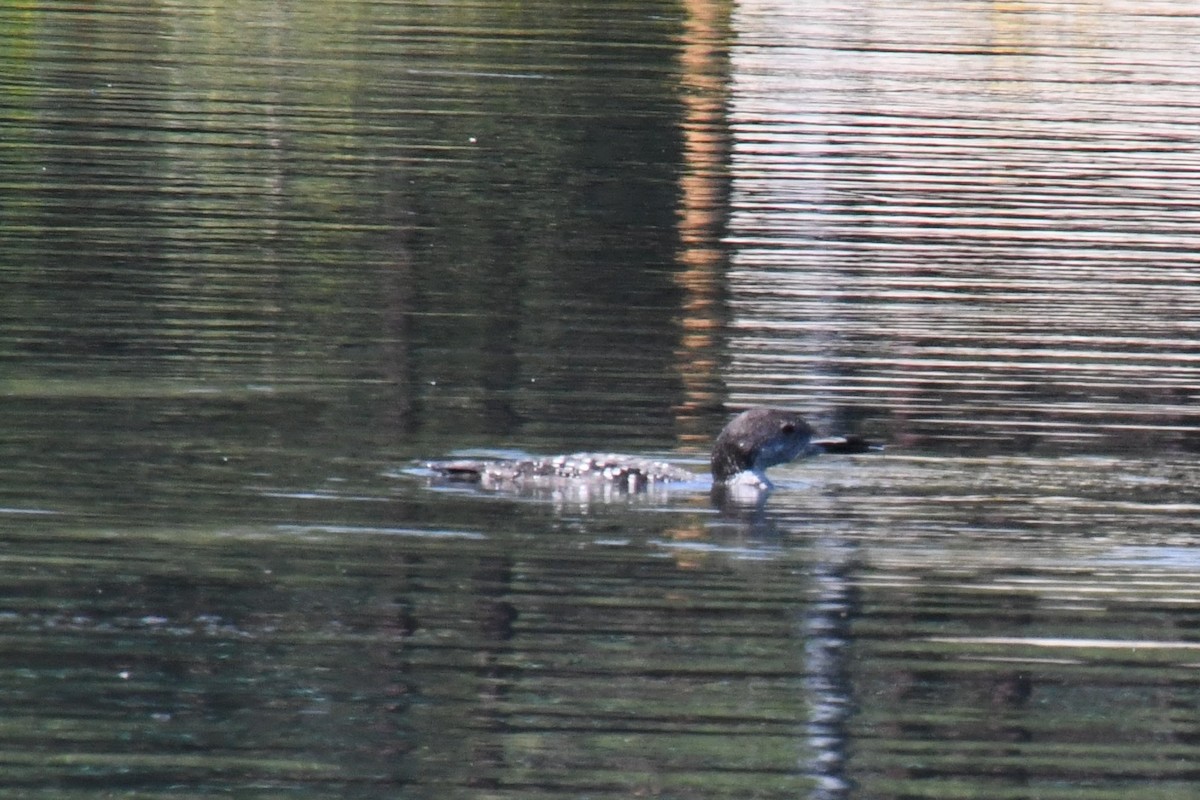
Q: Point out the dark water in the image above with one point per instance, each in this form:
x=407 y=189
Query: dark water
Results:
x=258 y=259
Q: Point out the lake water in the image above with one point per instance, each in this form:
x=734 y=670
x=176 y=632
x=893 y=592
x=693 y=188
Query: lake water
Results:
x=261 y=259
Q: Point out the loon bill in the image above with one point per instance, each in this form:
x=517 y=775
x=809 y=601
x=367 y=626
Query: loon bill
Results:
x=751 y=443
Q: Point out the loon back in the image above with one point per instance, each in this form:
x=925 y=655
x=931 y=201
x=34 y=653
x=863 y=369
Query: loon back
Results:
x=633 y=474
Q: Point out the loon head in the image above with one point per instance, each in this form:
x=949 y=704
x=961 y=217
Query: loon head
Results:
x=757 y=439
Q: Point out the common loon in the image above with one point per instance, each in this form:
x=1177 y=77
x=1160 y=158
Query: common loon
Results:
x=751 y=443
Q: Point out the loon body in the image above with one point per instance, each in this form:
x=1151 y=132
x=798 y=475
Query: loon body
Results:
x=751 y=443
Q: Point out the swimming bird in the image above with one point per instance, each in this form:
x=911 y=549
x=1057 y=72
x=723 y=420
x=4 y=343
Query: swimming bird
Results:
x=753 y=442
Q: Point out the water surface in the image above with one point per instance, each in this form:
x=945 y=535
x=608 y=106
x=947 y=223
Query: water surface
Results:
x=259 y=262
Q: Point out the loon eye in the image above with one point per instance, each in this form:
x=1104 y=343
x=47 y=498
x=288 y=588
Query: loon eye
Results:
x=787 y=427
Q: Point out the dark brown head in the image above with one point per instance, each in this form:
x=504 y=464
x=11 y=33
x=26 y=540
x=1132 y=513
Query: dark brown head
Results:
x=757 y=439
